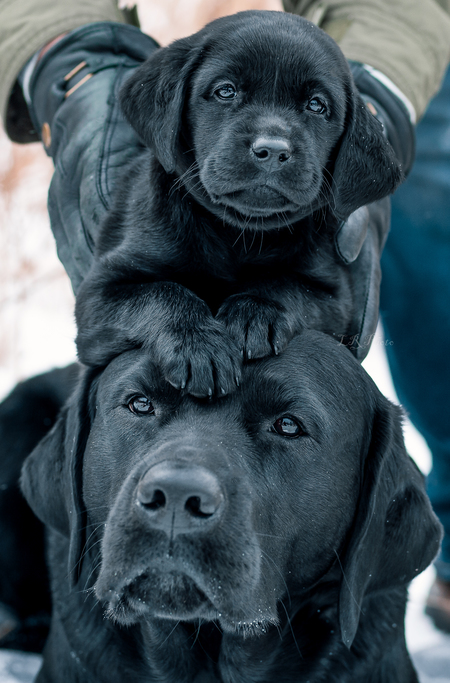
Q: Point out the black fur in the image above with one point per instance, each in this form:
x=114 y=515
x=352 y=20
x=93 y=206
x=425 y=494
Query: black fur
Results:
x=26 y=415
x=200 y=542
x=221 y=244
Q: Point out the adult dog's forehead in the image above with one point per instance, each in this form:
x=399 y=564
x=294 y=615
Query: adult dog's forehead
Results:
x=131 y=371
x=316 y=373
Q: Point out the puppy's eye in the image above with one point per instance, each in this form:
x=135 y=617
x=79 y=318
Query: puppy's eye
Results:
x=288 y=426
x=317 y=106
x=140 y=405
x=227 y=91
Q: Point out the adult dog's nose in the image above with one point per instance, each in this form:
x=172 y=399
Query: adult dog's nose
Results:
x=271 y=153
x=179 y=498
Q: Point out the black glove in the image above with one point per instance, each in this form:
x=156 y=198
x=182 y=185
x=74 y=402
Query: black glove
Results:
x=360 y=240
x=390 y=111
x=75 y=110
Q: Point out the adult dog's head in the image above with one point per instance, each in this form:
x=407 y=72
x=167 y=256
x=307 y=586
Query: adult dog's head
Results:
x=259 y=117
x=188 y=509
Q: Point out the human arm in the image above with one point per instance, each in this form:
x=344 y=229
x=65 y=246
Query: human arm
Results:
x=25 y=27
x=409 y=42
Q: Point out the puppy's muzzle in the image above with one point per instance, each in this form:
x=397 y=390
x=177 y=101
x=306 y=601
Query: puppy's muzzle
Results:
x=180 y=498
x=271 y=153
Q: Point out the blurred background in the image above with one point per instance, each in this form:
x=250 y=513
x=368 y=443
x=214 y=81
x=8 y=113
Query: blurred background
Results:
x=36 y=309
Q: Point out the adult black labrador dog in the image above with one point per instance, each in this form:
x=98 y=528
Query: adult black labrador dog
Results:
x=265 y=536
x=230 y=232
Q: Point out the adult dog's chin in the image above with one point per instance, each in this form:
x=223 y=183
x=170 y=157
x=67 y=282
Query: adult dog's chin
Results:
x=176 y=596
x=171 y=595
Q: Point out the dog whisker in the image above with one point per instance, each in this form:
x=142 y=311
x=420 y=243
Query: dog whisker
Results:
x=266 y=556
x=346 y=582
x=87 y=547
x=95 y=508
x=284 y=218
x=198 y=185
x=95 y=566
x=241 y=234
x=208 y=654
x=261 y=242
x=329 y=196
x=160 y=645
x=96 y=528
x=197 y=635
x=291 y=629
x=88 y=593
x=184 y=181
x=184 y=177
x=245 y=228
x=243 y=237
x=223 y=217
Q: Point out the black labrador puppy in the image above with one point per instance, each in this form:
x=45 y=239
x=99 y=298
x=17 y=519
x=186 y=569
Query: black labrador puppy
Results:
x=230 y=232
x=266 y=536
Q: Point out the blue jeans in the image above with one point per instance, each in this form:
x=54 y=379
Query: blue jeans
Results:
x=415 y=300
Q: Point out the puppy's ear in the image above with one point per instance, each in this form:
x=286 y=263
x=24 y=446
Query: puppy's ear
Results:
x=396 y=533
x=51 y=478
x=366 y=168
x=153 y=98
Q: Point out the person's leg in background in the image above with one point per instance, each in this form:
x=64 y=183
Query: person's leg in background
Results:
x=415 y=308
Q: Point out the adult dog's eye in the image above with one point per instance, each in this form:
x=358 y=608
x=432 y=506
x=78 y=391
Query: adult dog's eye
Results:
x=227 y=91
x=317 y=106
x=288 y=426
x=140 y=405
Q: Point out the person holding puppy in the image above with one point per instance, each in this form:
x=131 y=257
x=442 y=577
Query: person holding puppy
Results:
x=396 y=70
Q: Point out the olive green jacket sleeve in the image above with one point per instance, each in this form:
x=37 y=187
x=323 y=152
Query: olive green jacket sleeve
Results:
x=407 y=40
x=27 y=25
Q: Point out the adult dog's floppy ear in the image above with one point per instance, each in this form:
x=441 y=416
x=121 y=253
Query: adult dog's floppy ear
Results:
x=51 y=478
x=366 y=168
x=396 y=534
x=152 y=99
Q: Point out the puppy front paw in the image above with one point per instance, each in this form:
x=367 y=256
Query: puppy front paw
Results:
x=260 y=327
x=203 y=360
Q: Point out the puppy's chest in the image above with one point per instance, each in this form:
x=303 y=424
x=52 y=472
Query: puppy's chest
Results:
x=215 y=261
x=216 y=278
x=218 y=271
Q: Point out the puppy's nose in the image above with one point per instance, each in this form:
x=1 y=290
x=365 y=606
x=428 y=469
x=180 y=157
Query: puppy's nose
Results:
x=179 y=498
x=272 y=153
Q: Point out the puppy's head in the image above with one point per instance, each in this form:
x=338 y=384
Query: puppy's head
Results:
x=214 y=510
x=259 y=117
